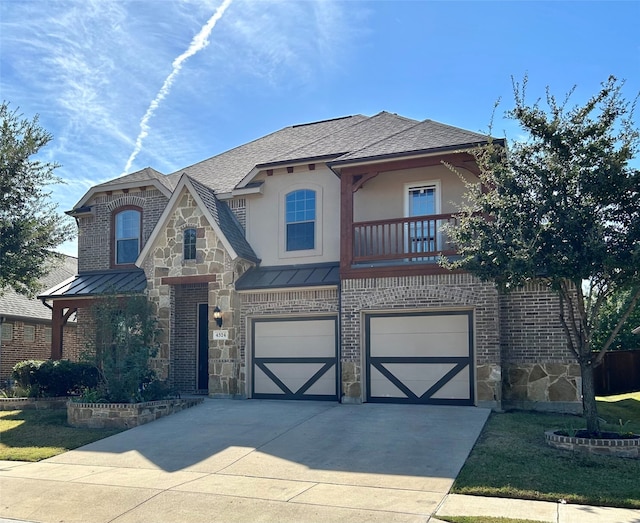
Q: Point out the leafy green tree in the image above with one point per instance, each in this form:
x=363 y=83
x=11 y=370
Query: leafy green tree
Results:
x=614 y=307
x=561 y=206
x=30 y=228
x=124 y=339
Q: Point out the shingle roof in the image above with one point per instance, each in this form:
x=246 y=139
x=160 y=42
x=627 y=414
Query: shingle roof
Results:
x=99 y=282
x=277 y=277
x=341 y=140
x=421 y=137
x=353 y=138
x=226 y=220
x=146 y=174
x=224 y=171
x=13 y=304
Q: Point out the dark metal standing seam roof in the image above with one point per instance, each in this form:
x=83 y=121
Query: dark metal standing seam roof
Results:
x=96 y=283
x=312 y=275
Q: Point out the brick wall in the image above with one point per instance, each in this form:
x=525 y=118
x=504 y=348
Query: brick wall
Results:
x=94 y=231
x=429 y=293
x=184 y=341
x=19 y=349
x=530 y=326
x=539 y=371
x=282 y=303
x=238 y=207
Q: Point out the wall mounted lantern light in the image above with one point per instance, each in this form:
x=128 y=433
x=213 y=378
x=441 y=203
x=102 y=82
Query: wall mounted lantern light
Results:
x=217 y=315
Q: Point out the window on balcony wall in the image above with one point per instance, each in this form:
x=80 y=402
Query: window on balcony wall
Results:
x=300 y=220
x=127 y=231
x=189 y=244
x=422 y=199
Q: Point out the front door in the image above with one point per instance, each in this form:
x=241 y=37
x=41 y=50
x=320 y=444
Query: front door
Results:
x=203 y=347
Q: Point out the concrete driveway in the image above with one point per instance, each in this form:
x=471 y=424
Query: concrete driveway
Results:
x=253 y=460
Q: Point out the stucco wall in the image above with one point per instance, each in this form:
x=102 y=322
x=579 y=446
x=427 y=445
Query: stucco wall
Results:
x=383 y=197
x=265 y=216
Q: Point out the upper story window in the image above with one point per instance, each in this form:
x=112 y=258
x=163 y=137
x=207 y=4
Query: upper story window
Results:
x=127 y=224
x=300 y=220
x=189 y=244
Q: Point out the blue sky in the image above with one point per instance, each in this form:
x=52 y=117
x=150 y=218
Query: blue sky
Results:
x=123 y=85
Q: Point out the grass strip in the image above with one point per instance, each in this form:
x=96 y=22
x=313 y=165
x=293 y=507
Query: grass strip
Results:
x=511 y=459
x=34 y=435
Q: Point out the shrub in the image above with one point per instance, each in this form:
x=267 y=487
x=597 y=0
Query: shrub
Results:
x=50 y=378
x=123 y=342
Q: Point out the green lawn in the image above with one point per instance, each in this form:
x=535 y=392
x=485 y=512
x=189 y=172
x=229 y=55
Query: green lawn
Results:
x=511 y=459
x=33 y=435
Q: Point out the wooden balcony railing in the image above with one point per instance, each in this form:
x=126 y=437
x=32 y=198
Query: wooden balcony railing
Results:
x=415 y=239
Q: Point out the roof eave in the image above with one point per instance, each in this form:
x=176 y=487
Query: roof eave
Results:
x=406 y=154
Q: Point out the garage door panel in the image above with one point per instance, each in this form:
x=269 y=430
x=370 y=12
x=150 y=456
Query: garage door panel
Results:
x=381 y=387
x=285 y=346
x=295 y=359
x=420 y=358
x=264 y=383
x=456 y=388
x=419 y=324
x=438 y=344
x=283 y=339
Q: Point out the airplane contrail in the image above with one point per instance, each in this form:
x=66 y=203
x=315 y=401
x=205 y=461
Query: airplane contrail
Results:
x=199 y=42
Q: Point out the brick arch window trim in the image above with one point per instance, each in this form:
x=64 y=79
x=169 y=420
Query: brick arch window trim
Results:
x=126 y=235
x=128 y=200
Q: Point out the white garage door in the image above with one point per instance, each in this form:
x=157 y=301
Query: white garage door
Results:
x=295 y=359
x=420 y=358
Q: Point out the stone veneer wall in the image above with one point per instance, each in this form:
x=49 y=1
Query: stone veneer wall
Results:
x=426 y=292
x=165 y=259
x=539 y=371
x=283 y=303
x=94 y=231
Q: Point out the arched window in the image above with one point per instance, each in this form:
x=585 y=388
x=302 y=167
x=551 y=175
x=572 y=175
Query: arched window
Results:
x=127 y=227
x=189 y=244
x=300 y=220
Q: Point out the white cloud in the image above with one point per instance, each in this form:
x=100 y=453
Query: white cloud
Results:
x=199 y=42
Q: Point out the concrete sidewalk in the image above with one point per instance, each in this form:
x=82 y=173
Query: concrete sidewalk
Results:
x=458 y=505
x=272 y=461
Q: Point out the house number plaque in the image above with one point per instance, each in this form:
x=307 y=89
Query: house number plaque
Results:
x=221 y=335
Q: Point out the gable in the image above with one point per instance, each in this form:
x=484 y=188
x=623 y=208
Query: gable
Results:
x=218 y=235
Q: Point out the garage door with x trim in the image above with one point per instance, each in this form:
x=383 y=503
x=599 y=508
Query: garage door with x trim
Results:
x=295 y=358
x=420 y=357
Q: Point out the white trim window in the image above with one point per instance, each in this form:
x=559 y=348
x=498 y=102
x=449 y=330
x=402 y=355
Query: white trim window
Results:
x=127 y=236
x=300 y=220
x=422 y=199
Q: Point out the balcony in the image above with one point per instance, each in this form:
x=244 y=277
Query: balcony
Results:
x=418 y=240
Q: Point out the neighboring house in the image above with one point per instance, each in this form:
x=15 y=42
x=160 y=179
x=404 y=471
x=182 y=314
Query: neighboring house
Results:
x=316 y=249
x=25 y=323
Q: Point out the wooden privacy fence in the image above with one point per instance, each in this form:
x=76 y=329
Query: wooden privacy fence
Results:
x=618 y=373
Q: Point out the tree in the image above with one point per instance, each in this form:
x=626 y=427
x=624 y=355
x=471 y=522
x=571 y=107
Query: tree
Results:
x=30 y=228
x=562 y=207
x=123 y=340
x=614 y=307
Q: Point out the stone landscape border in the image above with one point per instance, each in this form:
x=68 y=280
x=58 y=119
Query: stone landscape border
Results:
x=124 y=415
x=623 y=447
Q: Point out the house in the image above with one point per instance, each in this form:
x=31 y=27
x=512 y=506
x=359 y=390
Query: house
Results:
x=303 y=265
x=25 y=323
